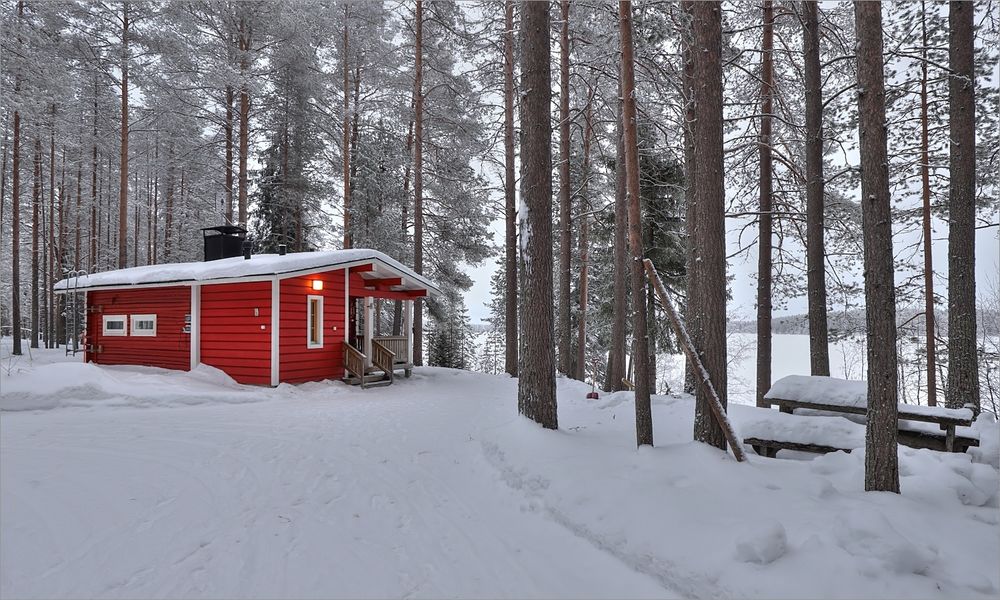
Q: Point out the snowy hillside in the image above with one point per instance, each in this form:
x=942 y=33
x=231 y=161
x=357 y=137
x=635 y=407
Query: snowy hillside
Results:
x=127 y=482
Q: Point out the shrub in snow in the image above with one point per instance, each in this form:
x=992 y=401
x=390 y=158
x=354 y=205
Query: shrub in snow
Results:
x=763 y=544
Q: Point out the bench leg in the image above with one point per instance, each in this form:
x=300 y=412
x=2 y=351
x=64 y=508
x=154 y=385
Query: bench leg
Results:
x=760 y=450
x=949 y=439
x=785 y=409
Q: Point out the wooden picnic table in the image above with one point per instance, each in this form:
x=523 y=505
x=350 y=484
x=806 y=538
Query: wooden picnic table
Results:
x=843 y=396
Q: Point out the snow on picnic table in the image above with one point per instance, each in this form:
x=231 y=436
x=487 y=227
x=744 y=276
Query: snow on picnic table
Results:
x=143 y=482
x=846 y=392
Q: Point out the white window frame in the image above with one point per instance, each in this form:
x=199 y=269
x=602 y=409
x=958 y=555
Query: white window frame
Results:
x=309 y=304
x=114 y=332
x=135 y=331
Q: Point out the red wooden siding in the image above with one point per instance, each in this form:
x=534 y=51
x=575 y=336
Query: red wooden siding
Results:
x=233 y=338
x=299 y=363
x=170 y=348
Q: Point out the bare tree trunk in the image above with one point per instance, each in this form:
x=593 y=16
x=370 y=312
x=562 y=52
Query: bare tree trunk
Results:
x=123 y=167
x=963 y=368
x=418 y=183
x=137 y=231
x=616 y=356
x=229 y=154
x=169 y=208
x=881 y=462
x=93 y=231
x=581 y=336
x=925 y=179
x=15 y=217
x=245 y=37
x=690 y=377
x=36 y=194
x=764 y=269
x=59 y=265
x=536 y=389
x=77 y=246
x=640 y=343
x=510 y=203
x=707 y=301
x=565 y=214
x=346 y=145
x=819 y=343
x=50 y=243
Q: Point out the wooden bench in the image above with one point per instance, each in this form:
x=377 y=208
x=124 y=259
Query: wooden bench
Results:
x=849 y=397
x=767 y=431
x=769 y=448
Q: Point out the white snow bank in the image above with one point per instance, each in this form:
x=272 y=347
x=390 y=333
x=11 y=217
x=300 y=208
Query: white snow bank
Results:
x=87 y=385
x=434 y=487
x=835 y=431
x=846 y=392
x=260 y=264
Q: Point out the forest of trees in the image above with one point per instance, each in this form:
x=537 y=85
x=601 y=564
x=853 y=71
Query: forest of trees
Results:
x=833 y=142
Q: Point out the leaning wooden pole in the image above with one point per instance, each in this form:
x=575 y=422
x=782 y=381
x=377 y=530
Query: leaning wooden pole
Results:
x=688 y=345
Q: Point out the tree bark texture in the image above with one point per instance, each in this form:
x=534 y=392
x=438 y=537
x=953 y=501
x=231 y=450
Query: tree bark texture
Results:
x=581 y=336
x=687 y=78
x=536 y=389
x=925 y=180
x=36 y=193
x=616 y=356
x=707 y=301
x=640 y=342
x=510 y=202
x=881 y=461
x=565 y=212
x=418 y=182
x=764 y=258
x=963 y=369
x=346 y=143
x=15 y=217
x=229 y=154
x=245 y=37
x=819 y=343
x=123 y=165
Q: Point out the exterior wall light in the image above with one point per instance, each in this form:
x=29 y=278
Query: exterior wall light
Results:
x=317 y=284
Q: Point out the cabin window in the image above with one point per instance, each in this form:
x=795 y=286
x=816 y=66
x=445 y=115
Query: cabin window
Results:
x=144 y=325
x=314 y=335
x=114 y=325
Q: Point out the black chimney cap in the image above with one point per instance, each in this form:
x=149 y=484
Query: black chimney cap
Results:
x=225 y=230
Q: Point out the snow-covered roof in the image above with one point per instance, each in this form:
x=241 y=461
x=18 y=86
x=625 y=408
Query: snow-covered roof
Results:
x=288 y=265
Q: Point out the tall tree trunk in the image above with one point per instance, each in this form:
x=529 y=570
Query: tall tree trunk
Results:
x=36 y=193
x=764 y=269
x=707 y=301
x=581 y=334
x=93 y=231
x=690 y=210
x=137 y=231
x=640 y=342
x=347 y=121
x=418 y=182
x=244 y=46
x=77 y=247
x=536 y=388
x=819 y=344
x=881 y=462
x=50 y=243
x=510 y=202
x=230 y=98
x=123 y=168
x=168 y=213
x=15 y=217
x=59 y=266
x=156 y=202
x=565 y=214
x=963 y=369
x=925 y=180
x=616 y=356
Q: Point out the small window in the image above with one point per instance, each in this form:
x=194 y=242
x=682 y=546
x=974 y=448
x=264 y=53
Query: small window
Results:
x=144 y=325
x=114 y=325
x=314 y=335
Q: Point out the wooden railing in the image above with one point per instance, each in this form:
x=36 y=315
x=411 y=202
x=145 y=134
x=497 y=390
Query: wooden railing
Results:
x=354 y=362
x=382 y=357
x=395 y=344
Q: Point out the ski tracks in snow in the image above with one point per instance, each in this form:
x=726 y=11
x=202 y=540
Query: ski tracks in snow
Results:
x=377 y=495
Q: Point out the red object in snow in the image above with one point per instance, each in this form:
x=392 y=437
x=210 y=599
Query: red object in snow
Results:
x=592 y=396
x=271 y=319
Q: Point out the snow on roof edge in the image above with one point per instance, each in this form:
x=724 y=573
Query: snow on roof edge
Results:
x=237 y=267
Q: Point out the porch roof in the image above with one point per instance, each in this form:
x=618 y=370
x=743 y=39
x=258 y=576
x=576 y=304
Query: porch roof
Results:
x=260 y=266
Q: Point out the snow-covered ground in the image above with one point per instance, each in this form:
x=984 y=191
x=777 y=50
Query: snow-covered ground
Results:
x=135 y=482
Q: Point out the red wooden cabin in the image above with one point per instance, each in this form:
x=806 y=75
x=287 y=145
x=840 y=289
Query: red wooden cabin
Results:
x=266 y=319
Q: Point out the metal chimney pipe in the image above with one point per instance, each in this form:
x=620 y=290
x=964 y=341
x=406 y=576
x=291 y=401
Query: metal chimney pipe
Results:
x=247 y=248
x=282 y=249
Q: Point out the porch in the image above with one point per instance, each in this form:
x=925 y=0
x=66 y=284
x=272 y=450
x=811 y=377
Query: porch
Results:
x=372 y=359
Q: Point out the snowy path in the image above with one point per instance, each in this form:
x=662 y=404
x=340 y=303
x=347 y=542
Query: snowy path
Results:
x=379 y=495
